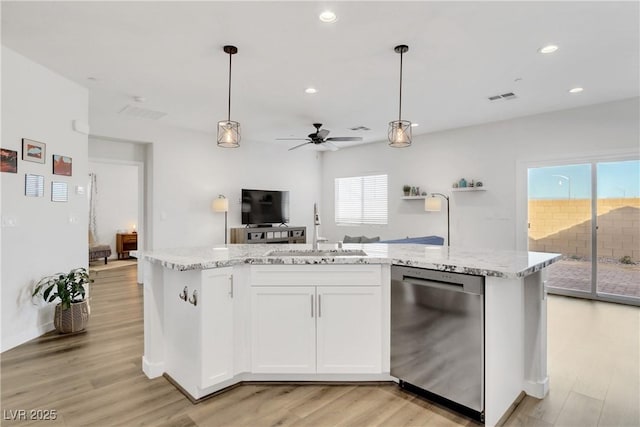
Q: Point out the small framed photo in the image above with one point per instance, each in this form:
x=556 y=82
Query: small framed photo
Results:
x=33 y=151
x=34 y=185
x=61 y=165
x=59 y=192
x=8 y=161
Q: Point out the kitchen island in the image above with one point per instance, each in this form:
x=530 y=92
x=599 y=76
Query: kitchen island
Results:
x=215 y=317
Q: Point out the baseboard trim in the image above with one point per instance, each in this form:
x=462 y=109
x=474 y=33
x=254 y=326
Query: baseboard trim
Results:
x=238 y=383
x=510 y=410
x=152 y=369
x=15 y=340
x=537 y=389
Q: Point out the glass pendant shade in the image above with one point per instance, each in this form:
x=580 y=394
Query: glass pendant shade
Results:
x=228 y=134
x=399 y=133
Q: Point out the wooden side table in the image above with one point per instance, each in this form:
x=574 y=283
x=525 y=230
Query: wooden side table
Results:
x=126 y=242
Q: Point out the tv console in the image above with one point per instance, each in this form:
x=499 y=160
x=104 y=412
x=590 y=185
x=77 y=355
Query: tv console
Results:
x=269 y=235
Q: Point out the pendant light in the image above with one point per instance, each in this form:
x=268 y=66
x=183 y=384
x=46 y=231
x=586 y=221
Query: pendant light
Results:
x=400 y=130
x=229 y=131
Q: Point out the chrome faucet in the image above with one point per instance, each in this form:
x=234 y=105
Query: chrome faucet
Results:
x=316 y=224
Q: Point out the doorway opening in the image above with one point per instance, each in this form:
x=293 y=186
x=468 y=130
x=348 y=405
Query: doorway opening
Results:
x=122 y=169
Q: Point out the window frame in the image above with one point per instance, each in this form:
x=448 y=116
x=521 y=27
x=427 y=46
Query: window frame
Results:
x=379 y=216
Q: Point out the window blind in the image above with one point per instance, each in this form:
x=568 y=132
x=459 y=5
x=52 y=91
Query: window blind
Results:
x=361 y=200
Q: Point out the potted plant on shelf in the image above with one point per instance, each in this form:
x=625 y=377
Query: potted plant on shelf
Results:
x=72 y=312
x=406 y=190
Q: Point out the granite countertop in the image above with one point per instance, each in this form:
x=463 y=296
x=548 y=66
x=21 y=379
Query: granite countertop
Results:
x=481 y=262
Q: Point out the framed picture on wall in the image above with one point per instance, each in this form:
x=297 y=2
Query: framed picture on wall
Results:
x=33 y=151
x=34 y=185
x=8 y=161
x=61 y=165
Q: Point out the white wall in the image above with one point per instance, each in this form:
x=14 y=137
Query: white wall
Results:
x=106 y=148
x=116 y=200
x=47 y=237
x=189 y=171
x=497 y=154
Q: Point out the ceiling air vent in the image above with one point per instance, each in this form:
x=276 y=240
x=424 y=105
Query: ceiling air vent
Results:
x=506 y=96
x=359 y=128
x=132 y=111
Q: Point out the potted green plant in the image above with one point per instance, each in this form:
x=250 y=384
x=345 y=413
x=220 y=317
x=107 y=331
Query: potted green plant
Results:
x=406 y=189
x=72 y=312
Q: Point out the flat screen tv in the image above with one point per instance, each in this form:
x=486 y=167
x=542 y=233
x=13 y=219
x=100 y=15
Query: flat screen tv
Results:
x=265 y=207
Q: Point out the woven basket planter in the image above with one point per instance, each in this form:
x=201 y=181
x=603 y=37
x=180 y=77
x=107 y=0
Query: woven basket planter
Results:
x=74 y=319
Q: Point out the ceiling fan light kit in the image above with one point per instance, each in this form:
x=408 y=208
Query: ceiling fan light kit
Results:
x=228 y=130
x=400 y=130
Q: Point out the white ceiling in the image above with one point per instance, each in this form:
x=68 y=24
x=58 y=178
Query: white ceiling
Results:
x=460 y=53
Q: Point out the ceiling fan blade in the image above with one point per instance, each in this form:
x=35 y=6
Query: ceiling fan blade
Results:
x=322 y=133
x=292 y=139
x=298 y=146
x=330 y=146
x=345 y=138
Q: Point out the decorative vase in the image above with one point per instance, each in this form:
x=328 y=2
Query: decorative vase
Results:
x=73 y=319
x=462 y=183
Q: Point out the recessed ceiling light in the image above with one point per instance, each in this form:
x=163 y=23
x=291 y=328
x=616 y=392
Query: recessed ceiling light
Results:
x=414 y=125
x=548 y=48
x=576 y=90
x=328 y=16
x=310 y=90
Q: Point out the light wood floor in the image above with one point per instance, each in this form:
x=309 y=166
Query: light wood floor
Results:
x=95 y=378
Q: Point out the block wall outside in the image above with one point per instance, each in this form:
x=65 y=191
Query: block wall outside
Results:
x=564 y=226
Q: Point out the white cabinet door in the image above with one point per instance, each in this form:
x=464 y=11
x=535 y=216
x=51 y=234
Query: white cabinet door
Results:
x=182 y=327
x=283 y=329
x=217 y=332
x=349 y=329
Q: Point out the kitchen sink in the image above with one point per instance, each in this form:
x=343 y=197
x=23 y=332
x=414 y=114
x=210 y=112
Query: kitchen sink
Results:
x=317 y=253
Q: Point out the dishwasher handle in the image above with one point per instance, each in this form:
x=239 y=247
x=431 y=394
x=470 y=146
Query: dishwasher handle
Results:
x=447 y=286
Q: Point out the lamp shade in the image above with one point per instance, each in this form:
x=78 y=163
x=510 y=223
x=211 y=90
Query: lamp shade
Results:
x=433 y=204
x=221 y=204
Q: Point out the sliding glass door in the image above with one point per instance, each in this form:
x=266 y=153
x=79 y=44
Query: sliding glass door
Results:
x=589 y=213
x=618 y=232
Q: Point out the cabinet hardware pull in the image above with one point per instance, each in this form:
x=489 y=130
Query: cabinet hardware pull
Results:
x=194 y=298
x=319 y=305
x=183 y=295
x=311 y=305
x=231 y=286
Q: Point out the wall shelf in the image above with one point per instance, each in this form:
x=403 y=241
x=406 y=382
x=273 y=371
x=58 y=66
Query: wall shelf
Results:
x=469 y=189
x=414 y=197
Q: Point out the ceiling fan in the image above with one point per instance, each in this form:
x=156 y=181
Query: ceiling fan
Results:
x=319 y=137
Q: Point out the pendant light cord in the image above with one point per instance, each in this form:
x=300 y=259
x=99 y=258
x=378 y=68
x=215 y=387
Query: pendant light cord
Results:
x=400 y=106
x=229 y=109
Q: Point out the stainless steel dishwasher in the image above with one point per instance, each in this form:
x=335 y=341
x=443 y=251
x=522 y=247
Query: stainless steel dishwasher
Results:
x=437 y=336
